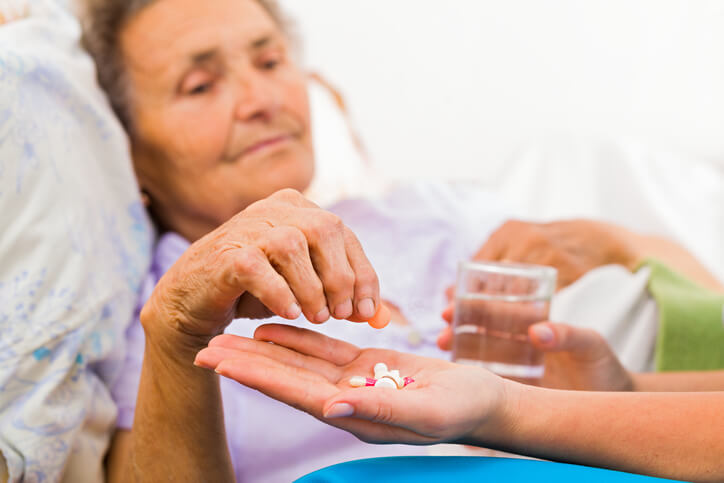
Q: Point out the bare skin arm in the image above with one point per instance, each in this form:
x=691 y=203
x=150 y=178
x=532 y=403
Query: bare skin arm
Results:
x=679 y=381
x=193 y=446
x=673 y=435
x=677 y=257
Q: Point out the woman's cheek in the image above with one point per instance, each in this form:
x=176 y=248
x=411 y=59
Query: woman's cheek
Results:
x=202 y=133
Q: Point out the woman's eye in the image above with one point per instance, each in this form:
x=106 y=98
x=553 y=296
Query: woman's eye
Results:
x=200 y=89
x=270 y=64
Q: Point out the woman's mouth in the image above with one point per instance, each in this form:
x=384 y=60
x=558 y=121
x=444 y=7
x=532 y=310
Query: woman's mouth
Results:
x=266 y=144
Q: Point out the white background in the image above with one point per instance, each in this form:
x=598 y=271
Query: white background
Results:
x=608 y=109
x=461 y=83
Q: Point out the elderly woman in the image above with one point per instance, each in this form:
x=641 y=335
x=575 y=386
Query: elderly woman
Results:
x=218 y=117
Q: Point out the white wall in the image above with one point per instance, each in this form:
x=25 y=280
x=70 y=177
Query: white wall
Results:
x=609 y=109
x=456 y=87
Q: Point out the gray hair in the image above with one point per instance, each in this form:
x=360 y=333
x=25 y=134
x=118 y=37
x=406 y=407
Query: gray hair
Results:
x=103 y=21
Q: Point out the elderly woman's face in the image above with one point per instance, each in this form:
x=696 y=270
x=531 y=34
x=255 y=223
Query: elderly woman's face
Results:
x=220 y=112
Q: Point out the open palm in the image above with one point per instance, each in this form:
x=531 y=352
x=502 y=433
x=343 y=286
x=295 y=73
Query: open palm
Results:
x=311 y=372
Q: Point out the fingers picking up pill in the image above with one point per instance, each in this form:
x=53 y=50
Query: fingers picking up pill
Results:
x=381 y=318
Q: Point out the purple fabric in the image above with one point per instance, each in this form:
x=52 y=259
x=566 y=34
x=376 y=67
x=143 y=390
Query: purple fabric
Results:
x=414 y=238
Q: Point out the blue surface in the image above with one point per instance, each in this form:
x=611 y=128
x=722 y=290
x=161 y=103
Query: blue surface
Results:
x=461 y=469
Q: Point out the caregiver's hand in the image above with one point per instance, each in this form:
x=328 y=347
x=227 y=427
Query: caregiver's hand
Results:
x=284 y=254
x=311 y=372
x=573 y=247
x=575 y=358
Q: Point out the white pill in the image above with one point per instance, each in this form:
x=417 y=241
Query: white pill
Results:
x=386 y=382
x=399 y=382
x=394 y=373
x=357 y=381
x=380 y=369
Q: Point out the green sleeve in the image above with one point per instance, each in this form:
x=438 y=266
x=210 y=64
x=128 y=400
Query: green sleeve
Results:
x=691 y=322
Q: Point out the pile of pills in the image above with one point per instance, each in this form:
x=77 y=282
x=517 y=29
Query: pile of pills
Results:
x=383 y=378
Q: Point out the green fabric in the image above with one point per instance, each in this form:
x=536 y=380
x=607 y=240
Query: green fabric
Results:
x=691 y=329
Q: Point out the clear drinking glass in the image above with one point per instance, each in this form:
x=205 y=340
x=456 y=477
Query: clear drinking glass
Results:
x=495 y=303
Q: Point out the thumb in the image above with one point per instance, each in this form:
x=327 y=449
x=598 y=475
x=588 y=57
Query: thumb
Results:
x=379 y=405
x=554 y=337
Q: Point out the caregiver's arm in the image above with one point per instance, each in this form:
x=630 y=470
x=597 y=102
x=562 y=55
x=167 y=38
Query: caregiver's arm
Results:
x=673 y=435
x=678 y=381
x=259 y=261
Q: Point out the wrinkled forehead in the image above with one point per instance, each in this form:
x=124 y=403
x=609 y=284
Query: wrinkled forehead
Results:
x=171 y=32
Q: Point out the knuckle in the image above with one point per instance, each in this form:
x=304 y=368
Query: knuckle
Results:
x=288 y=242
x=247 y=261
x=512 y=225
x=287 y=194
x=367 y=278
x=326 y=225
x=342 y=281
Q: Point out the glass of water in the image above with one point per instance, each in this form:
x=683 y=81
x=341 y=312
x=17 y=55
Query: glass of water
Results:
x=495 y=303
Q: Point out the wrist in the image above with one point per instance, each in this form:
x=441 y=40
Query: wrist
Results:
x=165 y=333
x=498 y=425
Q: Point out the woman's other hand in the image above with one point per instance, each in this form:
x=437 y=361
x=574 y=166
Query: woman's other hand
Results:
x=573 y=247
x=312 y=372
x=282 y=255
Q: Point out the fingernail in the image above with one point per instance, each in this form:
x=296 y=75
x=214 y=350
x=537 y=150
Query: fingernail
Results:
x=339 y=410
x=322 y=315
x=293 y=312
x=544 y=333
x=343 y=310
x=366 y=308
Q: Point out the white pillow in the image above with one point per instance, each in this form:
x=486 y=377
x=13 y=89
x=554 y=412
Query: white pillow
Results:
x=75 y=245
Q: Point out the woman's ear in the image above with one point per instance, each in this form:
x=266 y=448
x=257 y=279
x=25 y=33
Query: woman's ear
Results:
x=145 y=199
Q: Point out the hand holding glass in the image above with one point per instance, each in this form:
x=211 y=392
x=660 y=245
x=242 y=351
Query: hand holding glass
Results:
x=495 y=303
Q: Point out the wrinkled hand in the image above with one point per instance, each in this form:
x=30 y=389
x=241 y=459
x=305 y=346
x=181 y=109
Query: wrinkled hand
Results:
x=573 y=247
x=575 y=358
x=281 y=255
x=311 y=372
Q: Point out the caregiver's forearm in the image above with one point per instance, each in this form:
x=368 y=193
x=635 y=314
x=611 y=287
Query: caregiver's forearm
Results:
x=674 y=435
x=678 y=381
x=178 y=430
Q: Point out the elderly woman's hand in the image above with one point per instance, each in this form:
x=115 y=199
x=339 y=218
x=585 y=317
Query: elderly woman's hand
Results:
x=312 y=372
x=282 y=255
x=573 y=247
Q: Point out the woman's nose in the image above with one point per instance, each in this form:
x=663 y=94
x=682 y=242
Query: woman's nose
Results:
x=258 y=98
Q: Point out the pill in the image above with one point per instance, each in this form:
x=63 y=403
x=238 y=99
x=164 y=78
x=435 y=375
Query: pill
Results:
x=386 y=382
x=381 y=318
x=408 y=380
x=380 y=369
x=399 y=383
x=357 y=381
